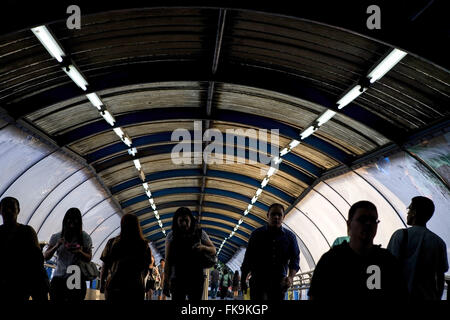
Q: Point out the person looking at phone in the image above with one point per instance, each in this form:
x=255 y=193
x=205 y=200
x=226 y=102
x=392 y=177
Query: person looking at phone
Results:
x=71 y=245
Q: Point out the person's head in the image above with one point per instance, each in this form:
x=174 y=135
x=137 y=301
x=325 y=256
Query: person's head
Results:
x=72 y=223
x=9 y=208
x=362 y=223
x=162 y=262
x=420 y=211
x=236 y=273
x=130 y=230
x=275 y=215
x=183 y=221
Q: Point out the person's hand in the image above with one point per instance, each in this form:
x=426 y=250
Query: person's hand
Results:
x=60 y=242
x=198 y=247
x=287 y=282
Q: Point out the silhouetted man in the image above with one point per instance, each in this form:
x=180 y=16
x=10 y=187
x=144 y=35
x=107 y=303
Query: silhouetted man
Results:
x=22 y=272
x=423 y=254
x=272 y=258
x=358 y=270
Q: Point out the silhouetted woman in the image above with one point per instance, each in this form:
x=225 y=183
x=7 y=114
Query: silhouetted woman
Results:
x=126 y=259
x=183 y=274
x=71 y=245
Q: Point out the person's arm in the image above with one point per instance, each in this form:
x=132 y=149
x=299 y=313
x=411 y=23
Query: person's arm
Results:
x=206 y=245
x=294 y=264
x=52 y=247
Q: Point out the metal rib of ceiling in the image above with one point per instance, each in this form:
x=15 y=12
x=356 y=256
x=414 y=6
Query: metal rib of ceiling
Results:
x=153 y=69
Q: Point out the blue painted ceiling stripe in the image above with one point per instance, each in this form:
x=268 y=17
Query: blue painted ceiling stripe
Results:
x=197 y=113
x=198 y=173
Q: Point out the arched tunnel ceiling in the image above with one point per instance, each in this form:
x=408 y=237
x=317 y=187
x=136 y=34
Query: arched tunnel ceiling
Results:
x=160 y=69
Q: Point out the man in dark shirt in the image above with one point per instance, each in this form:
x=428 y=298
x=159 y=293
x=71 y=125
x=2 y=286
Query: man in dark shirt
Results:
x=358 y=270
x=272 y=258
x=26 y=275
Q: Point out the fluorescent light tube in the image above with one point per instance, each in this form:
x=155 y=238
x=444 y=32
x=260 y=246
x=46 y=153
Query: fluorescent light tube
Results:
x=284 y=152
x=254 y=199
x=137 y=164
x=245 y=212
x=119 y=132
x=235 y=228
x=49 y=42
x=250 y=206
x=127 y=140
x=350 y=96
x=309 y=131
x=325 y=117
x=142 y=175
x=153 y=206
x=160 y=223
x=132 y=151
x=95 y=100
x=232 y=234
x=277 y=160
x=264 y=182
x=258 y=192
x=148 y=193
x=108 y=117
x=386 y=64
x=271 y=171
x=293 y=144
x=76 y=76
x=151 y=201
x=240 y=221
x=145 y=185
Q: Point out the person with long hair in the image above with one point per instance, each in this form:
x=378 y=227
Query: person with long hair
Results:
x=126 y=260
x=71 y=245
x=183 y=274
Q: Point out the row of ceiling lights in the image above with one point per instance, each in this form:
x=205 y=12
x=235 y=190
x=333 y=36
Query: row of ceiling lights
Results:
x=49 y=42
x=386 y=64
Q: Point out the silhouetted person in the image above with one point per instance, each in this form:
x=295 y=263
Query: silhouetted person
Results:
x=236 y=283
x=358 y=270
x=272 y=258
x=422 y=253
x=126 y=260
x=183 y=273
x=215 y=277
x=225 y=283
x=159 y=293
x=71 y=245
x=22 y=272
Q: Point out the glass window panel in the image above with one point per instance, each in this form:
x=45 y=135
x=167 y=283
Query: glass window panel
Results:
x=40 y=180
x=400 y=178
x=436 y=153
x=327 y=192
x=18 y=152
x=83 y=197
x=98 y=214
x=309 y=234
x=104 y=230
x=53 y=198
x=354 y=188
x=324 y=215
x=96 y=253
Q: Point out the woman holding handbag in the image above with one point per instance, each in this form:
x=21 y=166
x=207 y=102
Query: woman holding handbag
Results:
x=185 y=245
